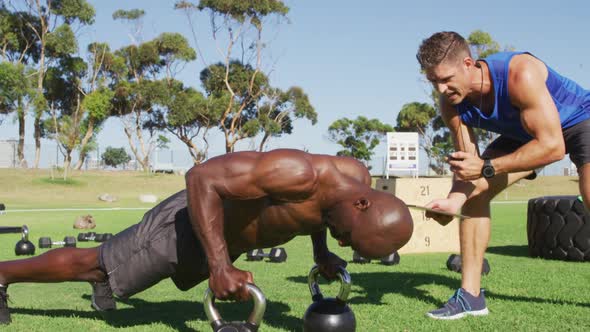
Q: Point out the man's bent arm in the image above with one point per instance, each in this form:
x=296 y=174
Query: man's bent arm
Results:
x=282 y=174
x=539 y=118
x=205 y=209
x=463 y=139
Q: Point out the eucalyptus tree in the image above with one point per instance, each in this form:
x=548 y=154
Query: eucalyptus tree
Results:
x=79 y=99
x=279 y=109
x=137 y=90
x=50 y=22
x=252 y=106
x=19 y=52
x=358 y=137
x=187 y=114
x=16 y=93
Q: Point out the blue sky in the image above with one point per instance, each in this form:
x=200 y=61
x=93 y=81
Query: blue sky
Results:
x=358 y=57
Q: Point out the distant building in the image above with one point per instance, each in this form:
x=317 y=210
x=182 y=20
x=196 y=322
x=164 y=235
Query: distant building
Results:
x=8 y=158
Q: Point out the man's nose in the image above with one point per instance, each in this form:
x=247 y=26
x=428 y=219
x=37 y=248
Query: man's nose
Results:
x=440 y=87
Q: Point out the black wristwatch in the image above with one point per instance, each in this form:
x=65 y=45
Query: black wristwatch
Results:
x=488 y=171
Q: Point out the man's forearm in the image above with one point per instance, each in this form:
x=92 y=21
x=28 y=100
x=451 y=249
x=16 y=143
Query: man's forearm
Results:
x=207 y=223
x=530 y=156
x=320 y=246
x=461 y=190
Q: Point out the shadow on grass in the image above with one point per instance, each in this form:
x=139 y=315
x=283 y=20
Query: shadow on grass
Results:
x=375 y=284
x=174 y=314
x=510 y=250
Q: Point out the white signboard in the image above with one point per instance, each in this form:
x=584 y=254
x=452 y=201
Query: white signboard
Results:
x=7 y=154
x=402 y=153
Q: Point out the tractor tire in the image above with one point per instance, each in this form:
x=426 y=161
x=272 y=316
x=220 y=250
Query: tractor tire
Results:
x=558 y=227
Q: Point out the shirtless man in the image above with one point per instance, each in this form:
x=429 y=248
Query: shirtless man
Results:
x=233 y=203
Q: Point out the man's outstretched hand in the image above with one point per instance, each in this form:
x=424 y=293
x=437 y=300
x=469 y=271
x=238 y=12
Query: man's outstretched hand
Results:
x=444 y=205
x=229 y=283
x=329 y=264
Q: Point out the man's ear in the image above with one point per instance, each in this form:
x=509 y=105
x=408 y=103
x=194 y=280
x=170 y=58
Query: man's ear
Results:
x=468 y=62
x=362 y=203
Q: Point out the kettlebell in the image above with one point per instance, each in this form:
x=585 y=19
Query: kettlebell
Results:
x=24 y=246
x=253 y=322
x=329 y=314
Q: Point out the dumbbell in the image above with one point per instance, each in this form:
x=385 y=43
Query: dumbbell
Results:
x=454 y=264
x=276 y=255
x=69 y=241
x=2 y=208
x=92 y=236
x=391 y=259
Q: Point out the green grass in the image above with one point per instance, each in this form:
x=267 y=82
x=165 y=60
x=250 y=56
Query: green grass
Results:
x=524 y=294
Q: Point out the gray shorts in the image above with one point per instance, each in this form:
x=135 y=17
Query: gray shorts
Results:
x=162 y=245
x=576 y=137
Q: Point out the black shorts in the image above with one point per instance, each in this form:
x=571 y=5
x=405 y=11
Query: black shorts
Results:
x=162 y=245
x=576 y=137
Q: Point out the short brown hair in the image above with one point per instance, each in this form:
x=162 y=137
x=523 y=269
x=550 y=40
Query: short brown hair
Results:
x=440 y=46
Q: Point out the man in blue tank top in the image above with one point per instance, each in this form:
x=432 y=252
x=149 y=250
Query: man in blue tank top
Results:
x=540 y=116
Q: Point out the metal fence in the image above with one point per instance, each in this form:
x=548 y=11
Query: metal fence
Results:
x=180 y=160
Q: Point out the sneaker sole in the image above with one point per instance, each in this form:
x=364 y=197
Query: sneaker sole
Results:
x=482 y=312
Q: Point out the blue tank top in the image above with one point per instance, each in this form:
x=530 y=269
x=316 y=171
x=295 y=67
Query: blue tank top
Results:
x=571 y=100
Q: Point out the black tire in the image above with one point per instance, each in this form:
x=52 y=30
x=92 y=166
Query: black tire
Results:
x=558 y=227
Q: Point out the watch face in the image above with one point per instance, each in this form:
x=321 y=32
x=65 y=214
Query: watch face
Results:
x=488 y=171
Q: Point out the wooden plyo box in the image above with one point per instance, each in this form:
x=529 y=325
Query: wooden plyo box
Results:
x=428 y=236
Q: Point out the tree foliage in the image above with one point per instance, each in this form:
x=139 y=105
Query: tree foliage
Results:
x=40 y=33
x=16 y=94
x=241 y=11
x=142 y=79
x=280 y=109
x=115 y=156
x=18 y=41
x=132 y=14
x=358 y=137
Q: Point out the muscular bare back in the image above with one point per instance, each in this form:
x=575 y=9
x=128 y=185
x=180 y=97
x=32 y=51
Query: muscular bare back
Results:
x=275 y=219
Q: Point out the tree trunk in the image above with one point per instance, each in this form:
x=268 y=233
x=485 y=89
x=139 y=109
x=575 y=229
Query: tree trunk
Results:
x=83 y=144
x=37 y=140
x=140 y=160
x=263 y=141
x=21 y=138
x=67 y=162
x=40 y=77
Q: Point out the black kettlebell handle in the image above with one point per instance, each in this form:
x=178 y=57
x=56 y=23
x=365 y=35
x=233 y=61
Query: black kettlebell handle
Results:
x=314 y=288
x=255 y=317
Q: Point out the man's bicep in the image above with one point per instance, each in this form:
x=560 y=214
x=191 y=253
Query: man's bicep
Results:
x=538 y=113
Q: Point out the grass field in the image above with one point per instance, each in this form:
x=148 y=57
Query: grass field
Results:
x=524 y=294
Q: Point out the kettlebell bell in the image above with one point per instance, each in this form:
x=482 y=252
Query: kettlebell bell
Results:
x=329 y=314
x=253 y=322
x=24 y=246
